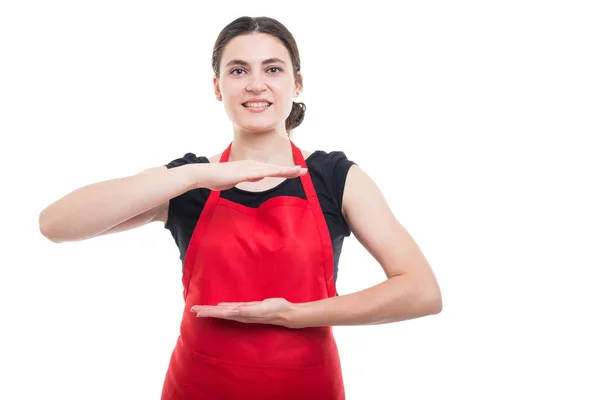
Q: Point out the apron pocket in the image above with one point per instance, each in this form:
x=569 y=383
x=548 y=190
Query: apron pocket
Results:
x=201 y=357
x=238 y=380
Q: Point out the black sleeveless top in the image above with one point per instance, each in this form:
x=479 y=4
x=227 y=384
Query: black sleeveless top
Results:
x=328 y=172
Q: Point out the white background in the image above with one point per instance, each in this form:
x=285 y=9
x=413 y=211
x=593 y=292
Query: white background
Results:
x=478 y=120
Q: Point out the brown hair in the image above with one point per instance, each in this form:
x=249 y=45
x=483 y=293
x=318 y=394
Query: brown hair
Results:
x=270 y=26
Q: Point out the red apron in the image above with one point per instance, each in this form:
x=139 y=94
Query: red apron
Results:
x=237 y=253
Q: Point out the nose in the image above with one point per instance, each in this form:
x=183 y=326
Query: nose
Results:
x=256 y=84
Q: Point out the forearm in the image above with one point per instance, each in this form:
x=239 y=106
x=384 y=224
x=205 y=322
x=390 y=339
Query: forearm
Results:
x=399 y=298
x=94 y=209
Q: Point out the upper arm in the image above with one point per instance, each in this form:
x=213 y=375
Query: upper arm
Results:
x=374 y=225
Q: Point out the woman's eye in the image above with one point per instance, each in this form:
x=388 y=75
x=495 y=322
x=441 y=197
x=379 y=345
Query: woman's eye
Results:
x=239 y=71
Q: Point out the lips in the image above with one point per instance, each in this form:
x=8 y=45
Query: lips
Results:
x=257 y=104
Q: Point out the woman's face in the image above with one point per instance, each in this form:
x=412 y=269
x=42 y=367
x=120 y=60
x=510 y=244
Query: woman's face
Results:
x=256 y=83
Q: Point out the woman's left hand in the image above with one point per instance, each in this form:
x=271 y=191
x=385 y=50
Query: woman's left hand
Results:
x=274 y=311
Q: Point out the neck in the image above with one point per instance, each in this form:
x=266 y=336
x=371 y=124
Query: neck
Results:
x=271 y=146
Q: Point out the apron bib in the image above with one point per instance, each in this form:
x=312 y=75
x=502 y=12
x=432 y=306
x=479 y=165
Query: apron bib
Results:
x=236 y=254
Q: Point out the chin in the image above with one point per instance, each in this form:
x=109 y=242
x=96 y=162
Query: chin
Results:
x=257 y=127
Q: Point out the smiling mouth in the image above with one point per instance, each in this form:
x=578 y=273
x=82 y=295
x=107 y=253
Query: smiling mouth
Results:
x=261 y=104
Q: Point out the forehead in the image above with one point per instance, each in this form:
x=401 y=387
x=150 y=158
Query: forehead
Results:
x=254 y=48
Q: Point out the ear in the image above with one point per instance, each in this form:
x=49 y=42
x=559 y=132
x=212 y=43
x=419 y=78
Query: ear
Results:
x=217 y=89
x=298 y=85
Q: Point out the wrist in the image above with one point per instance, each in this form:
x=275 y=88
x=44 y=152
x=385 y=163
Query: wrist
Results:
x=296 y=316
x=194 y=176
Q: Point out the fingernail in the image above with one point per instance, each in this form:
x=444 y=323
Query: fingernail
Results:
x=235 y=312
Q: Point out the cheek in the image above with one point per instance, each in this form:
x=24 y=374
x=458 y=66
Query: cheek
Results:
x=232 y=99
x=231 y=88
x=283 y=93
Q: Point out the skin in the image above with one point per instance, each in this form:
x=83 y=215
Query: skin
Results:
x=410 y=290
x=262 y=136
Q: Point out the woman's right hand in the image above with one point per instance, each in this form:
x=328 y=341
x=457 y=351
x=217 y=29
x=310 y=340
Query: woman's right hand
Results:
x=225 y=175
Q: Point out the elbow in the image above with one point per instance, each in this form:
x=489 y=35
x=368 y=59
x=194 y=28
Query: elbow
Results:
x=47 y=229
x=433 y=301
x=435 y=305
x=427 y=305
x=431 y=296
x=50 y=236
x=430 y=301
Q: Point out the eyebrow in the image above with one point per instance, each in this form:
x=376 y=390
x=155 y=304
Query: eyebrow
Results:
x=245 y=63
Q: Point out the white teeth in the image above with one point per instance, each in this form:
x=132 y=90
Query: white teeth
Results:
x=256 y=105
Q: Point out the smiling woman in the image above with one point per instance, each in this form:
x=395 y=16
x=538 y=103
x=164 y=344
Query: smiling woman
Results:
x=260 y=229
x=256 y=53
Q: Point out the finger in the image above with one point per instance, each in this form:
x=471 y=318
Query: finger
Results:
x=271 y=170
x=237 y=302
x=261 y=171
x=212 y=311
x=250 y=311
x=217 y=312
x=231 y=304
x=300 y=171
x=289 y=173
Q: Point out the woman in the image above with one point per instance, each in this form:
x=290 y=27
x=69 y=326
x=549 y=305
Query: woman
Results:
x=260 y=228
